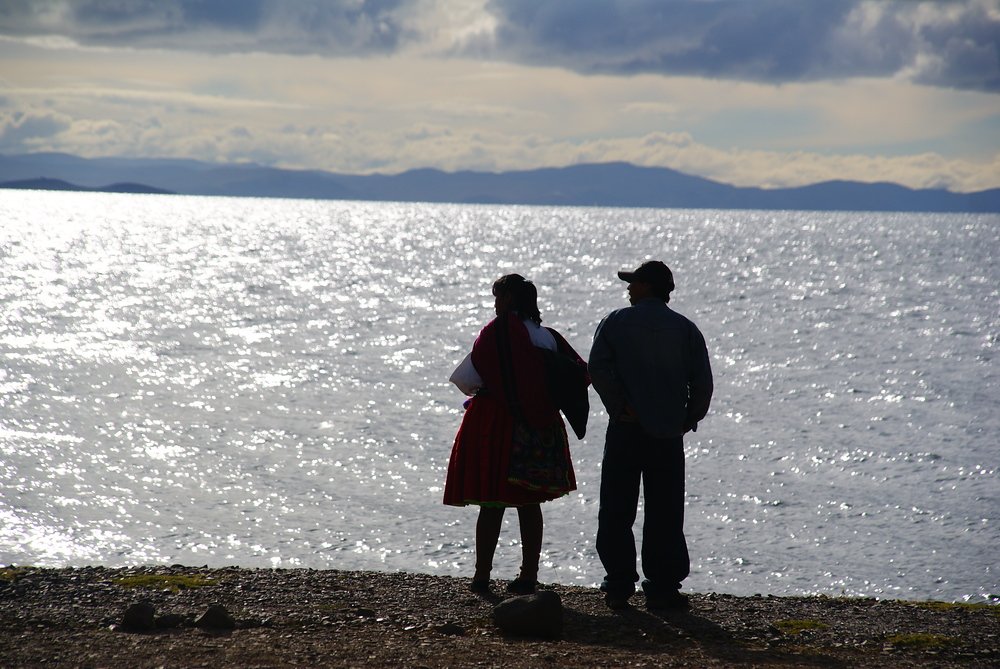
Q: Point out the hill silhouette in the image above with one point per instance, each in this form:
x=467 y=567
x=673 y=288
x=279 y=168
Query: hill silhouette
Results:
x=43 y=183
x=602 y=184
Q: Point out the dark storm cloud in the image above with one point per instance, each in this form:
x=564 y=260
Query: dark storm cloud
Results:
x=329 y=27
x=967 y=50
x=950 y=44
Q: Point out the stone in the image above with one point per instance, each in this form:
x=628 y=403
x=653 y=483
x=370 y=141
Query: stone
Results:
x=139 y=617
x=536 y=615
x=169 y=621
x=216 y=617
x=450 y=629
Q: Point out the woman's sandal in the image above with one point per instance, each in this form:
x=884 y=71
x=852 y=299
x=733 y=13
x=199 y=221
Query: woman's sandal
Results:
x=480 y=586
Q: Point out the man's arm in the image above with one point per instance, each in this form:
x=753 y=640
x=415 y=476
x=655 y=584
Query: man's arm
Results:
x=700 y=385
x=603 y=374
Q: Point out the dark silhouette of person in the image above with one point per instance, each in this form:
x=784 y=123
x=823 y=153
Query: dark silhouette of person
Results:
x=511 y=449
x=650 y=366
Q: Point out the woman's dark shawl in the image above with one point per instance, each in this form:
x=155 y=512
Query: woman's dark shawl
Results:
x=568 y=381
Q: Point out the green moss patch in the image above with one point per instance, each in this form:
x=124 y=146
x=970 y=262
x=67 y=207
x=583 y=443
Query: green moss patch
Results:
x=10 y=574
x=921 y=641
x=174 y=582
x=959 y=606
x=791 y=627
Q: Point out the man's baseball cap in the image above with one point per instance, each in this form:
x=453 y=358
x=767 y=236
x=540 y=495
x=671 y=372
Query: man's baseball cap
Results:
x=653 y=272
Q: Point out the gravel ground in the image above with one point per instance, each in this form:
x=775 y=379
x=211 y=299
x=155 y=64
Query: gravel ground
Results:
x=307 y=618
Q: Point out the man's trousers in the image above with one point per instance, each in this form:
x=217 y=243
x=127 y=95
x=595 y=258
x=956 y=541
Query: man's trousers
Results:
x=631 y=455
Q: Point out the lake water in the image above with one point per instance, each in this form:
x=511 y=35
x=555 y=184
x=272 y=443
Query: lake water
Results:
x=263 y=383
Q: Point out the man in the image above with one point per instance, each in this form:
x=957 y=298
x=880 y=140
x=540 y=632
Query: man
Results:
x=650 y=367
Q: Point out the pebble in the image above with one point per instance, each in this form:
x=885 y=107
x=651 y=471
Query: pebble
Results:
x=450 y=629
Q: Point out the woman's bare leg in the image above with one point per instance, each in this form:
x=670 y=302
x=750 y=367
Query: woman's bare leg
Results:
x=487 y=535
x=530 y=519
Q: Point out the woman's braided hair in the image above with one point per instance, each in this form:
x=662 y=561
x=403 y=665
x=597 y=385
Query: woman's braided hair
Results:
x=522 y=292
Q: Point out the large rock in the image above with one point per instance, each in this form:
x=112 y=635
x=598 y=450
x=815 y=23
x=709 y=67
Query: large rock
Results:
x=216 y=617
x=139 y=617
x=538 y=615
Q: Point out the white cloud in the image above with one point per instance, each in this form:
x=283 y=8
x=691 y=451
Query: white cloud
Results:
x=27 y=128
x=392 y=114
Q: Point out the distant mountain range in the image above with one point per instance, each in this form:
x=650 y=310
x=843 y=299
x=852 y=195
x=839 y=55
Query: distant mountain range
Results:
x=604 y=184
x=58 y=184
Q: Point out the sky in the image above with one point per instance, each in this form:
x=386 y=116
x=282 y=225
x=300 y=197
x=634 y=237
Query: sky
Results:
x=767 y=93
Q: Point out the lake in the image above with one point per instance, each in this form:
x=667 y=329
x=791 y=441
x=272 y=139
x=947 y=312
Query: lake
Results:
x=263 y=383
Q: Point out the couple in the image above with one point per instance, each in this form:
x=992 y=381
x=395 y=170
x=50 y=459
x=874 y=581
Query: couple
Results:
x=651 y=369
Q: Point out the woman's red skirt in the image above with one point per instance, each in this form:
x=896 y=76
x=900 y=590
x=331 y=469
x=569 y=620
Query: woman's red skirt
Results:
x=480 y=460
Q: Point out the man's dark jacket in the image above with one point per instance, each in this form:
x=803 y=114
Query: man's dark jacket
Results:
x=654 y=360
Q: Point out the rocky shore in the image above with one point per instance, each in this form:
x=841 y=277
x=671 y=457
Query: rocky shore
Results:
x=220 y=618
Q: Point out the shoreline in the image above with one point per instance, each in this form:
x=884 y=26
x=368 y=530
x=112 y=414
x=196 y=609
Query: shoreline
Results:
x=71 y=617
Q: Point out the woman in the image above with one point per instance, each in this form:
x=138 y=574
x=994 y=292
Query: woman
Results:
x=511 y=449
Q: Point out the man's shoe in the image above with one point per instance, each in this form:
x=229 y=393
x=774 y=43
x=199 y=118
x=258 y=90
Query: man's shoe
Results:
x=480 y=586
x=616 y=602
x=671 y=600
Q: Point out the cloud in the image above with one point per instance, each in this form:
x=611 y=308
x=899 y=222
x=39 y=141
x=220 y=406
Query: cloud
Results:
x=949 y=44
x=20 y=130
x=44 y=130
x=340 y=145
x=327 y=27
x=964 y=49
x=409 y=110
x=945 y=44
